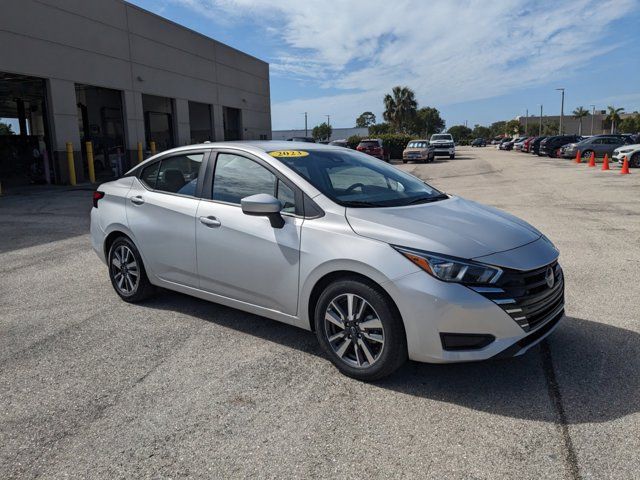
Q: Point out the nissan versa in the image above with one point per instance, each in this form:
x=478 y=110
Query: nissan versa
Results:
x=382 y=266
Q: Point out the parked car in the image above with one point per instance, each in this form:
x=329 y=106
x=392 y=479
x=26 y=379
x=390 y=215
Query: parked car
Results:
x=517 y=145
x=479 y=142
x=339 y=143
x=375 y=148
x=443 y=144
x=497 y=140
x=418 y=150
x=534 y=147
x=527 y=144
x=598 y=144
x=302 y=139
x=550 y=146
x=632 y=152
x=380 y=265
x=507 y=143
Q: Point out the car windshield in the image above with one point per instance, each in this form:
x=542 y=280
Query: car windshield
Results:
x=353 y=179
x=440 y=137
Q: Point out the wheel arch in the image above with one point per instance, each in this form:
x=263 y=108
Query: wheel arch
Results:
x=332 y=276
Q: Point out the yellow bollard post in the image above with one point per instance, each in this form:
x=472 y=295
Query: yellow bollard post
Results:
x=90 y=164
x=140 y=157
x=153 y=148
x=71 y=164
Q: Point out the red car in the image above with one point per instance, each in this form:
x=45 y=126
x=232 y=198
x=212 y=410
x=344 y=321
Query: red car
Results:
x=527 y=144
x=373 y=147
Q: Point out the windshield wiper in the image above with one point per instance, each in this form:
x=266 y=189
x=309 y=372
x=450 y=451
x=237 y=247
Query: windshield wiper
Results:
x=434 y=198
x=359 y=203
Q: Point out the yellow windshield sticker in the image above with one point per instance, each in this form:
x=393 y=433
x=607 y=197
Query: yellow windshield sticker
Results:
x=289 y=153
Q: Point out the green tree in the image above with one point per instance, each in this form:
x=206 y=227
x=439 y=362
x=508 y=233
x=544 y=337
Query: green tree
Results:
x=533 y=128
x=513 y=127
x=400 y=108
x=6 y=129
x=459 y=132
x=480 y=131
x=426 y=122
x=379 y=129
x=322 y=132
x=498 y=128
x=550 y=128
x=365 y=119
x=613 y=117
x=630 y=124
x=580 y=113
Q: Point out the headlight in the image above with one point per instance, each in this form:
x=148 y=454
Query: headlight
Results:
x=449 y=269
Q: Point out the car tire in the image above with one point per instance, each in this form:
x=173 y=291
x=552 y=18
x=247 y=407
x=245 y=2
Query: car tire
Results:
x=404 y=161
x=451 y=157
x=127 y=273
x=372 y=343
x=634 y=161
x=586 y=154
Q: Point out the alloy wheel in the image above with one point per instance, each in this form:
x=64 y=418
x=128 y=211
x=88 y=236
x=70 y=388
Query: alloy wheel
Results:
x=354 y=330
x=124 y=270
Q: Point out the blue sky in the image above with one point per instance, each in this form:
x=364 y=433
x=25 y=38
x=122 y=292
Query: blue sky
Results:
x=474 y=60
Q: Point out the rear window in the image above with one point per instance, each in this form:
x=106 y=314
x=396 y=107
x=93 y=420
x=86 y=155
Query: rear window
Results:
x=369 y=143
x=417 y=145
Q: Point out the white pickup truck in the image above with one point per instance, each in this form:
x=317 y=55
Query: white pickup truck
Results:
x=444 y=144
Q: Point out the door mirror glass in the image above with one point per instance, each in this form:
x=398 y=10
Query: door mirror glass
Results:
x=263 y=205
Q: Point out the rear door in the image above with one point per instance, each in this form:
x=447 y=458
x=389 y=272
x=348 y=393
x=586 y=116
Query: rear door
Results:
x=161 y=212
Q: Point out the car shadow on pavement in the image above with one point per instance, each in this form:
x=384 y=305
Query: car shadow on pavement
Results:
x=594 y=364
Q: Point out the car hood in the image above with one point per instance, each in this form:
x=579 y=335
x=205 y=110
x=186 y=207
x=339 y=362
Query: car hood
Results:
x=455 y=227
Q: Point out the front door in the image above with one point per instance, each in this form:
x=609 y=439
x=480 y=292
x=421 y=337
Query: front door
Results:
x=161 y=211
x=243 y=257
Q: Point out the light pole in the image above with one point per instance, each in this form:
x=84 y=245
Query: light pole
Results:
x=526 y=123
x=593 y=114
x=306 y=131
x=540 y=129
x=328 y=119
x=561 y=109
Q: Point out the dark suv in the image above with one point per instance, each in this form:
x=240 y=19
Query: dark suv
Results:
x=551 y=145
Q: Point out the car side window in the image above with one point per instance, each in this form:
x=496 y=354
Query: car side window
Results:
x=179 y=174
x=237 y=177
x=287 y=196
x=149 y=175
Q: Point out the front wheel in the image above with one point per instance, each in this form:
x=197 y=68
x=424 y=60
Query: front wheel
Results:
x=634 y=161
x=451 y=157
x=127 y=273
x=360 y=330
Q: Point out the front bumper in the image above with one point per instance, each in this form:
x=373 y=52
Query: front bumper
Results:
x=432 y=309
x=444 y=150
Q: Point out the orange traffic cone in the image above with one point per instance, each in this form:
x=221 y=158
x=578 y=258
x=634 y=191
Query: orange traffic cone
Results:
x=578 y=157
x=592 y=160
x=625 y=167
x=605 y=162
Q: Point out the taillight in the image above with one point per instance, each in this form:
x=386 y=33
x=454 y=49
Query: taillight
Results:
x=97 y=196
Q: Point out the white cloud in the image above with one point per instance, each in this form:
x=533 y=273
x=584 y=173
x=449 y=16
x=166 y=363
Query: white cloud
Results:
x=448 y=51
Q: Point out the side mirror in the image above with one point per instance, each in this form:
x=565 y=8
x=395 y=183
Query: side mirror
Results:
x=263 y=205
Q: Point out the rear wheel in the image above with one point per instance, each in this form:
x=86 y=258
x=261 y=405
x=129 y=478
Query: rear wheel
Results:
x=586 y=154
x=127 y=273
x=360 y=330
x=634 y=161
x=451 y=157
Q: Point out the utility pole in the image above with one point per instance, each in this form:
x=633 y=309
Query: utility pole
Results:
x=328 y=119
x=306 y=130
x=540 y=129
x=593 y=114
x=561 y=110
x=526 y=123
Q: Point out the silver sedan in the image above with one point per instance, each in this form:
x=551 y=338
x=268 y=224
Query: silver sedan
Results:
x=381 y=266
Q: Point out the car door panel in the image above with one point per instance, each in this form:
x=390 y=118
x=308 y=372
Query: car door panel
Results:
x=164 y=229
x=246 y=259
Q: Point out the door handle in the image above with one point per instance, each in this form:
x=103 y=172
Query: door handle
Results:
x=211 y=222
x=137 y=200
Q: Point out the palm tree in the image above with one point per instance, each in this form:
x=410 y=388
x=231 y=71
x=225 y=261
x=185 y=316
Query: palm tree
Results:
x=580 y=113
x=613 y=116
x=400 y=107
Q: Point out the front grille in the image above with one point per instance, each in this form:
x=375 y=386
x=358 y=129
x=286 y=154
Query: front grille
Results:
x=527 y=297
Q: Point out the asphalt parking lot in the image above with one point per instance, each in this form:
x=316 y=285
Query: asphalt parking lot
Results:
x=93 y=387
